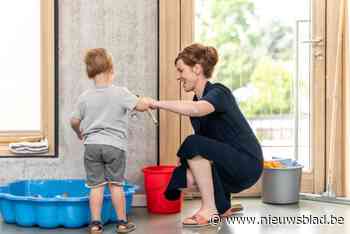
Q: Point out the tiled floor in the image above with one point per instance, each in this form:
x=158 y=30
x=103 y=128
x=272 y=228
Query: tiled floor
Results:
x=253 y=207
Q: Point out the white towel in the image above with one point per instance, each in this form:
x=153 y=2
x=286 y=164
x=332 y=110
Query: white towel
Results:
x=41 y=147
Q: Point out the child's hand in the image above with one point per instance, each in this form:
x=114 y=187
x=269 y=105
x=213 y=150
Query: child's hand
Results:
x=80 y=136
x=75 y=124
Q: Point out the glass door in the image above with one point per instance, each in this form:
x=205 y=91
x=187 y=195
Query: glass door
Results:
x=272 y=59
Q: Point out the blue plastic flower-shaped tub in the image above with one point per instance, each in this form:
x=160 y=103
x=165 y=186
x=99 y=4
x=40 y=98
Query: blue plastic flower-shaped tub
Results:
x=54 y=203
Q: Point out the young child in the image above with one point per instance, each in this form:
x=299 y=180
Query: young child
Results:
x=101 y=121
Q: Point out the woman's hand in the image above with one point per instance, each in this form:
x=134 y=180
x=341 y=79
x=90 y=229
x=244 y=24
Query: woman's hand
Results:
x=178 y=161
x=154 y=105
x=144 y=104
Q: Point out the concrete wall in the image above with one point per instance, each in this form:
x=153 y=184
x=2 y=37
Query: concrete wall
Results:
x=128 y=30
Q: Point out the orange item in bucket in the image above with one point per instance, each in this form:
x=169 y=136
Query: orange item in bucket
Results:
x=272 y=165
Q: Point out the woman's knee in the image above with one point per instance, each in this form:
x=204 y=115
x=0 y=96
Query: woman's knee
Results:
x=191 y=141
x=191 y=146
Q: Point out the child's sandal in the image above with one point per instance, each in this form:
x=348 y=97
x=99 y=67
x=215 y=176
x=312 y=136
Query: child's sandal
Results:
x=96 y=227
x=124 y=226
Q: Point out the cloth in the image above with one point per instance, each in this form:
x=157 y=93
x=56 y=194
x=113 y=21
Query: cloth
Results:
x=104 y=164
x=103 y=112
x=41 y=147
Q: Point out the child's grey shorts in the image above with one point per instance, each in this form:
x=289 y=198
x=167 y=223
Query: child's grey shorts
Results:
x=104 y=164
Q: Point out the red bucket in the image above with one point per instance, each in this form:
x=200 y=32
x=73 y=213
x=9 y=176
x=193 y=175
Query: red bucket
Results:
x=156 y=181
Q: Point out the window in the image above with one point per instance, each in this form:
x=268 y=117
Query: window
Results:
x=27 y=84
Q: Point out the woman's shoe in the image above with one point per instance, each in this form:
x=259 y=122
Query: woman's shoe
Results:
x=195 y=221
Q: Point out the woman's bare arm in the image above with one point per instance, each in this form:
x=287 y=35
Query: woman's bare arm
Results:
x=188 y=108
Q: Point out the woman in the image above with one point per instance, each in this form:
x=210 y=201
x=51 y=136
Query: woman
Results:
x=223 y=156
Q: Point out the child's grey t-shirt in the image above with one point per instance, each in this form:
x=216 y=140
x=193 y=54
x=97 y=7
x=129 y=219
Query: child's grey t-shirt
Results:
x=103 y=112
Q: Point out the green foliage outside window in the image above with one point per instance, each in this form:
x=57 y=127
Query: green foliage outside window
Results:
x=252 y=54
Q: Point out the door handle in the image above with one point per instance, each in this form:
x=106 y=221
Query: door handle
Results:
x=318 y=41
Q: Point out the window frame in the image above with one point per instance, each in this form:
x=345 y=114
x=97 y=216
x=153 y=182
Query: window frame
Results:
x=49 y=88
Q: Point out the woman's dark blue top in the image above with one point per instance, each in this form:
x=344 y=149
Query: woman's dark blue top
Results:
x=227 y=123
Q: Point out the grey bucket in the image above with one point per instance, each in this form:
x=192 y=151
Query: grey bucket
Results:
x=282 y=185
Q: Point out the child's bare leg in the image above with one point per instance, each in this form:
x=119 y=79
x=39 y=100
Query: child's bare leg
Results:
x=96 y=200
x=118 y=200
